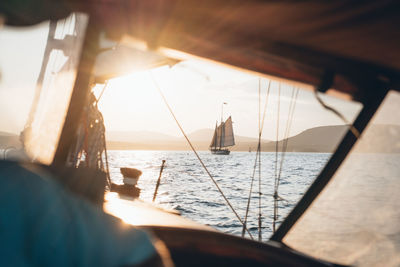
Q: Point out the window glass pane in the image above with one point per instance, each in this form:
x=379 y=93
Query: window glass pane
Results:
x=38 y=68
x=141 y=132
x=356 y=218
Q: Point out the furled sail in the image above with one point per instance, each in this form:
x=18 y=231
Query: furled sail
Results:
x=223 y=135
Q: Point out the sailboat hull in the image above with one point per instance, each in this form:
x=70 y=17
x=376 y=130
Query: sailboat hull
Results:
x=220 y=151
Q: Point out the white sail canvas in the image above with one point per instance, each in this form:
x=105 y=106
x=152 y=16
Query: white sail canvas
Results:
x=223 y=135
x=214 y=139
x=228 y=139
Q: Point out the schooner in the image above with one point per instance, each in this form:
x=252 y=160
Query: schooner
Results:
x=223 y=138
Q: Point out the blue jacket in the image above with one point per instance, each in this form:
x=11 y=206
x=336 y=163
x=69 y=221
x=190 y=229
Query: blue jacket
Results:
x=41 y=224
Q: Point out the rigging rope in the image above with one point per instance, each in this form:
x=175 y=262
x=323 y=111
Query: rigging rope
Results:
x=90 y=147
x=259 y=161
x=251 y=191
x=102 y=91
x=289 y=121
x=353 y=129
x=107 y=169
x=101 y=121
x=276 y=157
x=257 y=153
x=195 y=152
x=277 y=198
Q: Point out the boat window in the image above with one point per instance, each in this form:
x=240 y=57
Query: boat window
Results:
x=356 y=218
x=38 y=68
x=218 y=108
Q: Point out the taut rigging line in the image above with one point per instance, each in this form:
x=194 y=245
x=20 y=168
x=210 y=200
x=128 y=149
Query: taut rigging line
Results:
x=195 y=152
x=258 y=154
x=259 y=162
x=292 y=106
x=353 y=129
x=275 y=195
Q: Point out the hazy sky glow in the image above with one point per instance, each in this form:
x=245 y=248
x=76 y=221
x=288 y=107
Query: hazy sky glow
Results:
x=196 y=90
x=21 y=52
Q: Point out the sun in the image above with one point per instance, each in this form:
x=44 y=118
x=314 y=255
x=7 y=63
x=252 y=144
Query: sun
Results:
x=132 y=102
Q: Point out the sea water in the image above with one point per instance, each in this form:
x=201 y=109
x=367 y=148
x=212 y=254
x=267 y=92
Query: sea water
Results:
x=186 y=187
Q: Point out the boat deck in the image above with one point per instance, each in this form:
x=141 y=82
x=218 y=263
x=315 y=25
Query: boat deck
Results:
x=139 y=213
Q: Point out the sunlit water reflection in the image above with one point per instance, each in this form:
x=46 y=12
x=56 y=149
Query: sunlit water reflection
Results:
x=186 y=187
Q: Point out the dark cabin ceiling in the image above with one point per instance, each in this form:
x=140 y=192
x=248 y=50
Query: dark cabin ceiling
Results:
x=296 y=40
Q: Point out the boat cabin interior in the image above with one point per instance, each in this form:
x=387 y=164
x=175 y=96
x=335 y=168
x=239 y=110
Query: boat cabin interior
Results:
x=348 y=49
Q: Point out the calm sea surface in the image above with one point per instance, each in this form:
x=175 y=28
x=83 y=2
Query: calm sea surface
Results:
x=186 y=187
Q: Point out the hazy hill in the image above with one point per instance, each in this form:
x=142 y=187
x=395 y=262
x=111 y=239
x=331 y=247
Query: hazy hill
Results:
x=202 y=135
x=139 y=137
x=206 y=135
x=9 y=140
x=200 y=139
x=380 y=138
x=318 y=139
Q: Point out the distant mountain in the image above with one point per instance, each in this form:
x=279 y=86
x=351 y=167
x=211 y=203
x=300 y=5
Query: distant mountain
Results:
x=7 y=134
x=318 y=139
x=143 y=140
x=205 y=135
x=116 y=145
x=202 y=135
x=9 y=140
x=379 y=138
x=140 y=136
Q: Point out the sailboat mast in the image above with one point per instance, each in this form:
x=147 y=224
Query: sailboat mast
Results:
x=221 y=135
x=216 y=134
x=222 y=111
x=222 y=121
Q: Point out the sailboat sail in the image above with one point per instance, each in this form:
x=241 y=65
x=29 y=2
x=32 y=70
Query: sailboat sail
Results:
x=229 y=139
x=214 y=139
x=223 y=135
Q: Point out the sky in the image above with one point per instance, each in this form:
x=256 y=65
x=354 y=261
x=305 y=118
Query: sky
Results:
x=20 y=58
x=195 y=89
